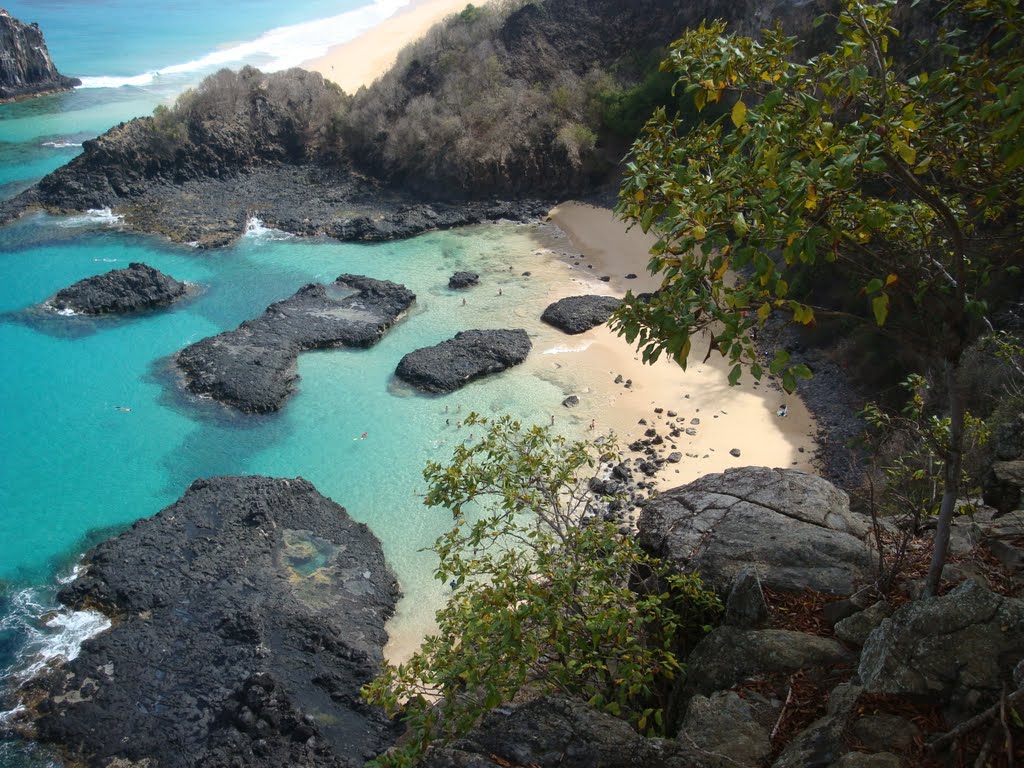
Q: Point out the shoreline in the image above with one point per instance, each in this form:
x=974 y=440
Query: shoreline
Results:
x=360 y=61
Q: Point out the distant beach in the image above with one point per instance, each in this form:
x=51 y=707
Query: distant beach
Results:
x=363 y=59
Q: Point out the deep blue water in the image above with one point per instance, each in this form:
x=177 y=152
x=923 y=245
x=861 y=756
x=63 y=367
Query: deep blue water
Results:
x=74 y=468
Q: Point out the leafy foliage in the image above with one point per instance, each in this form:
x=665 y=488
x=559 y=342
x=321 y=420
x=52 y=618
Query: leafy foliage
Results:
x=912 y=181
x=843 y=158
x=542 y=602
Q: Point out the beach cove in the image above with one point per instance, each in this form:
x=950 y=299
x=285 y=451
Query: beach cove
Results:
x=75 y=374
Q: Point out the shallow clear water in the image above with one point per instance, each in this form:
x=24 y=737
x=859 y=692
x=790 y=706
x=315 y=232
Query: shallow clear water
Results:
x=75 y=469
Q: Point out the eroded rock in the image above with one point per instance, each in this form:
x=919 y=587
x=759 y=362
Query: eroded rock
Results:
x=470 y=355
x=577 y=314
x=138 y=287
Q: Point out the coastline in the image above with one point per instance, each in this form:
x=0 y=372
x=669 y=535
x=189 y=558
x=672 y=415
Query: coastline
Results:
x=360 y=61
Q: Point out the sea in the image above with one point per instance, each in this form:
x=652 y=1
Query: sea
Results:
x=95 y=432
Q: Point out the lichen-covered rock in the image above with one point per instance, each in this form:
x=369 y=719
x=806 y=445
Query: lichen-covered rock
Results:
x=728 y=655
x=955 y=648
x=246 y=617
x=723 y=725
x=577 y=314
x=554 y=732
x=26 y=68
x=822 y=743
x=253 y=367
x=855 y=629
x=745 y=607
x=138 y=287
x=794 y=529
x=470 y=355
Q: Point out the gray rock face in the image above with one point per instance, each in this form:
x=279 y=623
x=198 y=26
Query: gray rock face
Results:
x=953 y=648
x=553 y=732
x=471 y=355
x=463 y=280
x=794 y=529
x=120 y=290
x=26 y=68
x=724 y=726
x=246 y=617
x=855 y=629
x=728 y=655
x=821 y=743
x=746 y=607
x=253 y=367
x=577 y=314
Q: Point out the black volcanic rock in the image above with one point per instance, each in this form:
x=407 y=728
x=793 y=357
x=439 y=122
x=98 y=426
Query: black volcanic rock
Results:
x=471 y=355
x=120 y=290
x=463 y=280
x=245 y=618
x=577 y=314
x=26 y=68
x=253 y=367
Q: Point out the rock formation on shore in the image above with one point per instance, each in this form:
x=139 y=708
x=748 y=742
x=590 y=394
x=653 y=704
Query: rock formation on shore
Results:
x=246 y=617
x=253 y=367
x=138 y=287
x=577 y=314
x=26 y=68
x=470 y=355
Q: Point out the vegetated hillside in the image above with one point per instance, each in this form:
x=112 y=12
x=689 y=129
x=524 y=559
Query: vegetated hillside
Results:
x=521 y=96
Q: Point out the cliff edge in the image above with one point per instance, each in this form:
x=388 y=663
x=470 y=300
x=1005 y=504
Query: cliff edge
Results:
x=26 y=68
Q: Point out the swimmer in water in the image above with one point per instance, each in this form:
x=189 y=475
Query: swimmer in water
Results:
x=123 y=408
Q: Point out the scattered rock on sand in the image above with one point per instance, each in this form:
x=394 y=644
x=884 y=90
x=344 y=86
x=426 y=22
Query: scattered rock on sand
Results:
x=577 y=314
x=138 y=287
x=470 y=355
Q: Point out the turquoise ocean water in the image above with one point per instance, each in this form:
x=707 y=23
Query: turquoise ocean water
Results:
x=73 y=468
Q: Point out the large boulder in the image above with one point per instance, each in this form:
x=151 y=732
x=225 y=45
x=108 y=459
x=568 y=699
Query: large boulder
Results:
x=554 y=732
x=246 y=616
x=470 y=355
x=577 y=314
x=463 y=280
x=793 y=529
x=724 y=726
x=138 y=287
x=26 y=68
x=727 y=656
x=958 y=648
x=253 y=367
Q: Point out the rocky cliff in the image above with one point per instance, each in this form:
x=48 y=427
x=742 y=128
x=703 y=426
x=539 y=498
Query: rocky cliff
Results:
x=26 y=68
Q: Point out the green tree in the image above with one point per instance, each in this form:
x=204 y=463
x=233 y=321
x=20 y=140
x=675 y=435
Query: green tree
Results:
x=910 y=182
x=544 y=601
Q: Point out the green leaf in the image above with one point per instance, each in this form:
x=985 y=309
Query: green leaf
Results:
x=734 y=375
x=739 y=113
x=880 y=308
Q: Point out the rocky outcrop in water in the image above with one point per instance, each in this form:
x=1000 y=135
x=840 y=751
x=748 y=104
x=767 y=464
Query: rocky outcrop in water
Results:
x=246 y=617
x=120 y=290
x=576 y=314
x=463 y=280
x=468 y=356
x=26 y=68
x=253 y=367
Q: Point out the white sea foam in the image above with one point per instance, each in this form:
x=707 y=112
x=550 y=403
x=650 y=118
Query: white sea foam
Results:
x=278 y=49
x=561 y=349
x=255 y=229
x=62 y=144
x=93 y=217
x=58 y=638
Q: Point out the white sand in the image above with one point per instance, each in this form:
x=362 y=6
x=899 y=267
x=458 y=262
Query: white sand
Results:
x=362 y=60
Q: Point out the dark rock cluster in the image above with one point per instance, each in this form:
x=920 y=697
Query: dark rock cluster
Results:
x=576 y=314
x=26 y=68
x=470 y=355
x=253 y=367
x=121 y=290
x=463 y=280
x=246 y=617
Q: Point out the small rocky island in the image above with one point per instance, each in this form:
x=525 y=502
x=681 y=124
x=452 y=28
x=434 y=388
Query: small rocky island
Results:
x=470 y=355
x=26 y=68
x=253 y=367
x=136 y=288
x=576 y=314
x=246 y=616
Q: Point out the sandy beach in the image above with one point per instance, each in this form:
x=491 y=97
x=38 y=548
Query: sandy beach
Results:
x=362 y=60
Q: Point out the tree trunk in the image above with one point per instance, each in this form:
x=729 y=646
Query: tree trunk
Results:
x=951 y=478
